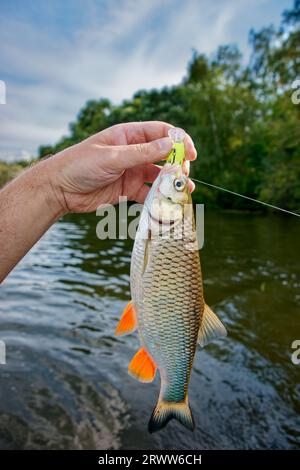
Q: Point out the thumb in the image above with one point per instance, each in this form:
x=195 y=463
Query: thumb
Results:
x=128 y=156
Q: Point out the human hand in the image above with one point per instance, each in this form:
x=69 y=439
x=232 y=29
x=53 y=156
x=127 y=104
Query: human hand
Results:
x=115 y=162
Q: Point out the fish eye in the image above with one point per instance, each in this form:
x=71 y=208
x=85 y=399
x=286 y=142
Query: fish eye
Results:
x=179 y=184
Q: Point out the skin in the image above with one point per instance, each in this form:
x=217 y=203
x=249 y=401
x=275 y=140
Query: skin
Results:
x=115 y=162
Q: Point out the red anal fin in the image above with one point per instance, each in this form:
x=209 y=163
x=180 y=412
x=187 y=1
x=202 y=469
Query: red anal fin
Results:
x=142 y=366
x=127 y=323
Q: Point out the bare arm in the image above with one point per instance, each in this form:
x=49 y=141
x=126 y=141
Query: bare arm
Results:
x=112 y=163
x=28 y=207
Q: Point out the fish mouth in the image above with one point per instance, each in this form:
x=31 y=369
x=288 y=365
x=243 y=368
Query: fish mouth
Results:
x=160 y=221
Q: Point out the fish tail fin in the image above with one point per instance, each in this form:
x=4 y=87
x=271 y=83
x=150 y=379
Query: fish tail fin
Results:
x=164 y=411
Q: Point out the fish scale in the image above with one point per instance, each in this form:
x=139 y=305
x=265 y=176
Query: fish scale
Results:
x=169 y=324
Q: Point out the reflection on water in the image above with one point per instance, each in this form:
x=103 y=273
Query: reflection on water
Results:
x=65 y=384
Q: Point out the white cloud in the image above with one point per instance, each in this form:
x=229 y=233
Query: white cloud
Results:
x=114 y=55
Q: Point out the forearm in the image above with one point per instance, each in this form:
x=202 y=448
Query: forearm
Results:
x=28 y=207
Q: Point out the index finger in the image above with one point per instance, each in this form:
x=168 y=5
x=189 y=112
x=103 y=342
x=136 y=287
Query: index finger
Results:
x=142 y=132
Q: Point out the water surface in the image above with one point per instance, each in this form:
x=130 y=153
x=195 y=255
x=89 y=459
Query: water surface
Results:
x=65 y=384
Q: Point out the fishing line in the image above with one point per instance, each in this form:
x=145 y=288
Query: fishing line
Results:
x=246 y=197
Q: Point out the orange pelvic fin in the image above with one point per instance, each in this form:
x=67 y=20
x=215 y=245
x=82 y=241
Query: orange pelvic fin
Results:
x=127 y=323
x=142 y=366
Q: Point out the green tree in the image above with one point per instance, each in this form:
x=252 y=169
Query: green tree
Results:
x=242 y=120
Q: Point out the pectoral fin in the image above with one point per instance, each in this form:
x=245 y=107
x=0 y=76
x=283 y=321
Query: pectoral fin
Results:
x=211 y=327
x=128 y=322
x=142 y=366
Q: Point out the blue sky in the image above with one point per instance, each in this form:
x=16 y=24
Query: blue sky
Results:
x=56 y=55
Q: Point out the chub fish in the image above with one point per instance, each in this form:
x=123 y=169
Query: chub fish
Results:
x=168 y=306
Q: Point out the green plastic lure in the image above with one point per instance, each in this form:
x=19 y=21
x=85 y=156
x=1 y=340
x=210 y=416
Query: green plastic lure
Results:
x=177 y=154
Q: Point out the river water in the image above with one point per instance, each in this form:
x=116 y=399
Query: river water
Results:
x=65 y=383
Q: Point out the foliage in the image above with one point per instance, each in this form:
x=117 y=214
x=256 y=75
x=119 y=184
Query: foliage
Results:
x=9 y=171
x=242 y=119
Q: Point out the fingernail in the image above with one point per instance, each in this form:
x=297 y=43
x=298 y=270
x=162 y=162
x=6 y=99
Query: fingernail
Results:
x=191 y=185
x=196 y=153
x=186 y=167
